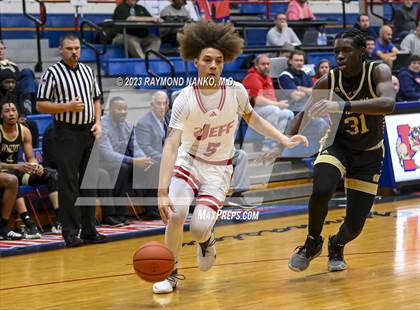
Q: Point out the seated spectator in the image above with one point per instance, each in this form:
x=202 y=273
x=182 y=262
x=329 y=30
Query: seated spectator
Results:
x=178 y=12
x=139 y=40
x=119 y=155
x=9 y=187
x=14 y=137
x=322 y=68
x=260 y=88
x=150 y=135
x=281 y=33
x=23 y=104
x=384 y=48
x=294 y=79
x=411 y=42
x=6 y=64
x=405 y=19
x=299 y=10
x=370 y=49
x=410 y=80
x=363 y=24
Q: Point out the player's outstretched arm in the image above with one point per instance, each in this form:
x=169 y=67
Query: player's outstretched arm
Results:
x=169 y=154
x=262 y=126
x=303 y=118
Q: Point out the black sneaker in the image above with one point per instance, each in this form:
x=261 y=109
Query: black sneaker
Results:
x=8 y=234
x=336 y=260
x=31 y=231
x=112 y=221
x=303 y=255
x=94 y=239
x=123 y=220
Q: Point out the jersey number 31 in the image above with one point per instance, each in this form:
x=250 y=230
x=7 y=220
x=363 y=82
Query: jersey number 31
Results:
x=357 y=124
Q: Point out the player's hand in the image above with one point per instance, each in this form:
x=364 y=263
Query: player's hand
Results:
x=296 y=140
x=96 y=130
x=323 y=107
x=165 y=204
x=283 y=104
x=76 y=105
x=143 y=162
x=26 y=167
x=39 y=170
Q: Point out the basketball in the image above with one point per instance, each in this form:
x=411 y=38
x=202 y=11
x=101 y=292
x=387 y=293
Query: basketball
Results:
x=153 y=262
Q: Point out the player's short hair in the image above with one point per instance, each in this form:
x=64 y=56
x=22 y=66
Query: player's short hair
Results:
x=8 y=99
x=115 y=99
x=195 y=37
x=413 y=58
x=296 y=52
x=69 y=36
x=355 y=35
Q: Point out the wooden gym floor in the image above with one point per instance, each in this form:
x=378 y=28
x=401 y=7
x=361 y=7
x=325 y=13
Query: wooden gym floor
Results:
x=250 y=273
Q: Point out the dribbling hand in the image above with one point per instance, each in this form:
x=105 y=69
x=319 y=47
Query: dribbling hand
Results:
x=165 y=204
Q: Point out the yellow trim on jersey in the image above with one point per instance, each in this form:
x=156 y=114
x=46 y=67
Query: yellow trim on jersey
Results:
x=329 y=159
x=332 y=86
x=372 y=92
x=340 y=84
x=361 y=186
x=9 y=139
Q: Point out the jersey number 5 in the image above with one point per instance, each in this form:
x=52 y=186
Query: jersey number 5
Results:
x=355 y=122
x=211 y=148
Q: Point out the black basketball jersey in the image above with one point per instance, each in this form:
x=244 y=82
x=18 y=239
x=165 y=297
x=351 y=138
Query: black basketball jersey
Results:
x=10 y=147
x=357 y=131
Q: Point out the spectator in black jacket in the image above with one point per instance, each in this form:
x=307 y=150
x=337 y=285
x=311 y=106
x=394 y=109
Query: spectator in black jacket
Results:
x=405 y=19
x=363 y=24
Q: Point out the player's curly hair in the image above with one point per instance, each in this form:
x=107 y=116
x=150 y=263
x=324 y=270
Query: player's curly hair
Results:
x=356 y=35
x=195 y=37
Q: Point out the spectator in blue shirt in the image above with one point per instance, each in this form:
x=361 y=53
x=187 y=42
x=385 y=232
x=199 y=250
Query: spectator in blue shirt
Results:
x=294 y=80
x=410 y=80
x=119 y=155
x=384 y=47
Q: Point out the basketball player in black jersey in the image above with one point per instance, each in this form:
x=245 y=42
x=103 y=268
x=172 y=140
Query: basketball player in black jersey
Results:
x=357 y=151
x=14 y=135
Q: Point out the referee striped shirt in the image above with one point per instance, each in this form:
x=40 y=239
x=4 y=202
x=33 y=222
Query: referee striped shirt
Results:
x=61 y=84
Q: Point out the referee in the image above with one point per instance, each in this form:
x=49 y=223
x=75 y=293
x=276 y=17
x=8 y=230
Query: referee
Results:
x=68 y=90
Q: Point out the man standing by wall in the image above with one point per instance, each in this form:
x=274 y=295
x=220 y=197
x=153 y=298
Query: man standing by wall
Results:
x=68 y=90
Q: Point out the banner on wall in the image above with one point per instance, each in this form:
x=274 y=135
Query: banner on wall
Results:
x=221 y=9
x=403 y=132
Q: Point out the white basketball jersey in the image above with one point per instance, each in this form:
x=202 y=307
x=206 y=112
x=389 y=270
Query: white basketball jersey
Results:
x=208 y=122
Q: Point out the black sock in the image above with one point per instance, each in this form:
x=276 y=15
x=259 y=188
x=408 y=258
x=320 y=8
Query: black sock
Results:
x=25 y=218
x=56 y=212
x=4 y=223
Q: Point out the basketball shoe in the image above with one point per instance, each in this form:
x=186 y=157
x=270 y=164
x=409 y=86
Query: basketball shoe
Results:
x=336 y=260
x=31 y=231
x=303 y=255
x=7 y=234
x=169 y=284
x=206 y=253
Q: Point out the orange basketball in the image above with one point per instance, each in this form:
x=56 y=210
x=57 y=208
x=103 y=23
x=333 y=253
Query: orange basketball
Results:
x=153 y=262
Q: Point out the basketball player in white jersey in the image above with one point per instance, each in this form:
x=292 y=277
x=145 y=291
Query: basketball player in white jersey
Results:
x=198 y=151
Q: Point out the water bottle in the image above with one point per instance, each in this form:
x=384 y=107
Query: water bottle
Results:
x=324 y=38
x=319 y=39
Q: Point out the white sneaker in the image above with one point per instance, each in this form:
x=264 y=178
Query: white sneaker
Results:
x=169 y=284
x=206 y=253
x=56 y=229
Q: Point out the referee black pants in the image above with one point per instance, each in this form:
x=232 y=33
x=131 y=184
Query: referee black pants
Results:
x=73 y=145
